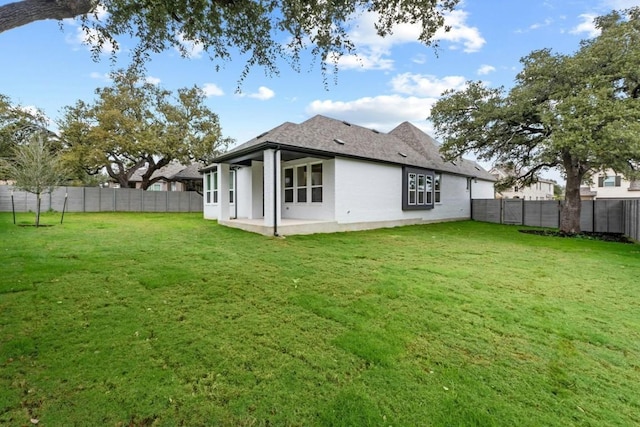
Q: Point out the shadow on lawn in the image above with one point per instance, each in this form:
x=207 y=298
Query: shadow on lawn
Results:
x=607 y=237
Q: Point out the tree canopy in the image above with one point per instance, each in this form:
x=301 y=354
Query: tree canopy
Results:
x=263 y=30
x=134 y=124
x=579 y=113
x=16 y=123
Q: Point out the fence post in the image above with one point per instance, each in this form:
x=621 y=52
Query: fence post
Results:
x=522 y=204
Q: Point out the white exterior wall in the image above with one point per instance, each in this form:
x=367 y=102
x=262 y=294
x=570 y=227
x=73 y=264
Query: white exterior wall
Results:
x=541 y=190
x=484 y=189
x=627 y=189
x=243 y=194
x=257 y=184
x=313 y=211
x=371 y=192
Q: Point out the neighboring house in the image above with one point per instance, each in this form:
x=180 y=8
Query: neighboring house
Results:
x=173 y=177
x=541 y=190
x=326 y=175
x=609 y=185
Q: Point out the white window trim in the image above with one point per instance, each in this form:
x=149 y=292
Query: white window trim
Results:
x=215 y=184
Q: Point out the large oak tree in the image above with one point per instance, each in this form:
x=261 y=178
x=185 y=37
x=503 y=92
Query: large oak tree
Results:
x=579 y=113
x=134 y=124
x=264 y=30
x=16 y=124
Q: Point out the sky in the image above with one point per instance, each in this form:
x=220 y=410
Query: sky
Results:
x=390 y=80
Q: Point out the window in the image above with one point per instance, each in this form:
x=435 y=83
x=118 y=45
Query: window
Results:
x=288 y=185
x=156 y=187
x=208 y=190
x=418 y=188
x=211 y=187
x=436 y=187
x=301 y=181
x=300 y=186
x=609 y=181
x=215 y=186
x=316 y=182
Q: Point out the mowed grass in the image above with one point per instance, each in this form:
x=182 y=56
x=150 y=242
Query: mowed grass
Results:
x=159 y=319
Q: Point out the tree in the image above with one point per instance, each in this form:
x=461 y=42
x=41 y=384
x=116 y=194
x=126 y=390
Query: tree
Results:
x=579 y=113
x=16 y=123
x=263 y=30
x=134 y=124
x=35 y=167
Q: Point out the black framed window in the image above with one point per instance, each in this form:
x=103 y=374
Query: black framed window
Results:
x=418 y=188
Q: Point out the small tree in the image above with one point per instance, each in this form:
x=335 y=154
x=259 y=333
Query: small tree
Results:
x=35 y=168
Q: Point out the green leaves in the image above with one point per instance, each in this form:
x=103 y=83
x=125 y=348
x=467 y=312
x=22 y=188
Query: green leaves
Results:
x=133 y=124
x=580 y=113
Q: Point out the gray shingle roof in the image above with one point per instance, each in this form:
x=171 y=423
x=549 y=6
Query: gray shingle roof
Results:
x=404 y=145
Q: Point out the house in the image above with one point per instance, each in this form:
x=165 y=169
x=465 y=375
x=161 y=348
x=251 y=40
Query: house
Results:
x=610 y=185
x=540 y=190
x=172 y=177
x=327 y=175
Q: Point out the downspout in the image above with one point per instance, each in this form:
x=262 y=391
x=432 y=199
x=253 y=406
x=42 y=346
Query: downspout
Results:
x=235 y=191
x=275 y=193
x=471 y=197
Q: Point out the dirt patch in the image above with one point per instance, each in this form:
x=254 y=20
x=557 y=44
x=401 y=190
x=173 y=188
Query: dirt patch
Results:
x=607 y=237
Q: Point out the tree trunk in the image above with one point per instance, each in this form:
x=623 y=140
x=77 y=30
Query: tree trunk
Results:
x=570 y=213
x=37 y=210
x=24 y=12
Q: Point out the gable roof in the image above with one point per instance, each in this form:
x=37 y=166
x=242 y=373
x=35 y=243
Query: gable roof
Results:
x=324 y=136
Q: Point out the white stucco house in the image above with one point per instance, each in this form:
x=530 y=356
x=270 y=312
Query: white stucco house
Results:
x=610 y=185
x=542 y=189
x=326 y=175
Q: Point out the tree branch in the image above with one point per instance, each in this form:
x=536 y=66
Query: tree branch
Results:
x=24 y=12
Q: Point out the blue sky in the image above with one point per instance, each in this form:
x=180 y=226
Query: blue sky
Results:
x=392 y=80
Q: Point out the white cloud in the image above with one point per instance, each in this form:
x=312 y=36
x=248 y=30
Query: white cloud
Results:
x=192 y=48
x=382 y=112
x=537 y=25
x=105 y=77
x=362 y=62
x=485 y=69
x=461 y=33
x=89 y=38
x=425 y=85
x=587 y=26
x=212 y=89
x=262 y=94
x=372 y=51
x=152 y=80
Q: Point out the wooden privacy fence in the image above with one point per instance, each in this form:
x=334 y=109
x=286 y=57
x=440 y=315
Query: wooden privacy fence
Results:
x=601 y=216
x=95 y=199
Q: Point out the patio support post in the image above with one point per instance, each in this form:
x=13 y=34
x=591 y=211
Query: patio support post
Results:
x=223 y=192
x=272 y=197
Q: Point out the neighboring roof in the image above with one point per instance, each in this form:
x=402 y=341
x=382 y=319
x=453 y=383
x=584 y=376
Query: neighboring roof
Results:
x=587 y=192
x=502 y=173
x=171 y=172
x=320 y=135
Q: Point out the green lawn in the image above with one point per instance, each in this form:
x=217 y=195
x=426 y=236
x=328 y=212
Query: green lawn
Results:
x=160 y=319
